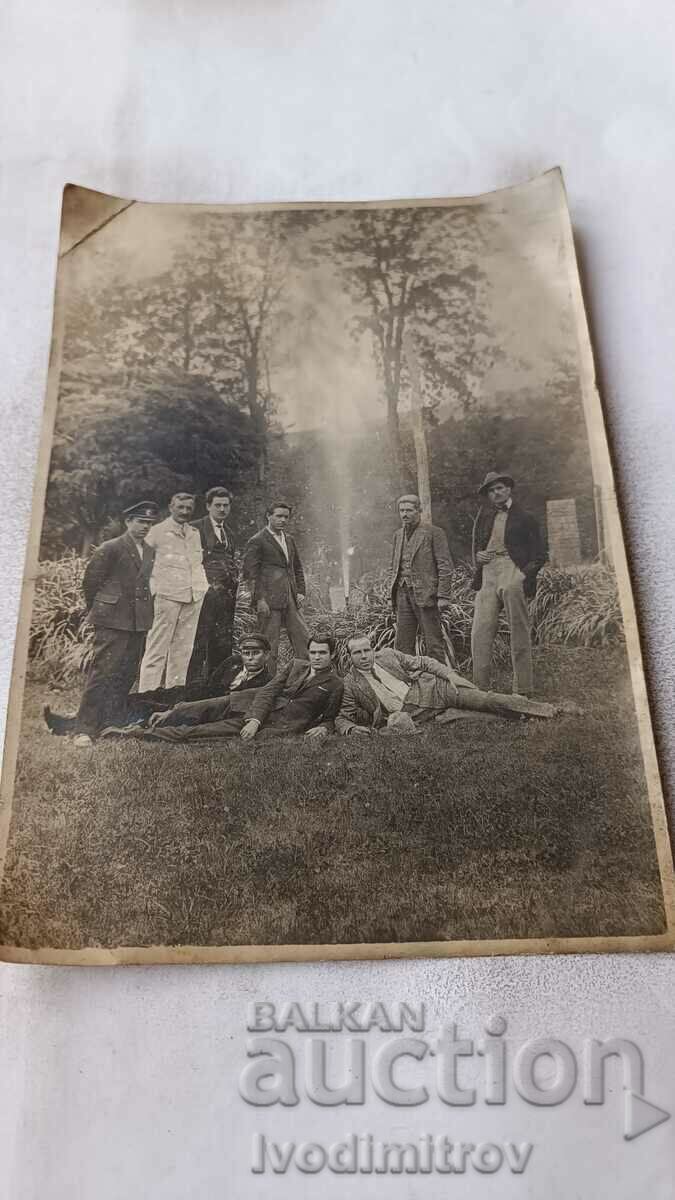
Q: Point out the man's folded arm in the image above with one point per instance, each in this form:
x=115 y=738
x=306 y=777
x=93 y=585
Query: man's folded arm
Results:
x=96 y=572
x=420 y=662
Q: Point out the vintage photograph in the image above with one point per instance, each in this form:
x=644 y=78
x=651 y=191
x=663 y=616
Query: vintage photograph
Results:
x=327 y=645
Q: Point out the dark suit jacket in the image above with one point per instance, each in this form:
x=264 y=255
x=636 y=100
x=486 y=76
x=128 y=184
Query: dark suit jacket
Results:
x=223 y=675
x=268 y=574
x=360 y=705
x=219 y=561
x=116 y=586
x=522 y=540
x=220 y=680
x=297 y=702
x=431 y=565
x=220 y=702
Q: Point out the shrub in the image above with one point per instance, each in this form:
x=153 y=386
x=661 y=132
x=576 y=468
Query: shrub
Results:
x=61 y=641
x=578 y=606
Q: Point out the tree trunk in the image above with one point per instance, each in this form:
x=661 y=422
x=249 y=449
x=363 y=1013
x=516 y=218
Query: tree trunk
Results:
x=421 y=451
x=395 y=447
x=257 y=416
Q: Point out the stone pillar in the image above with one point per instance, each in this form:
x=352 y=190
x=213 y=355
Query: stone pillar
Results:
x=564 y=548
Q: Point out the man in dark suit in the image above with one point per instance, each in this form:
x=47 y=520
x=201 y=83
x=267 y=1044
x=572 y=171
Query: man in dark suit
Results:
x=303 y=698
x=117 y=594
x=388 y=690
x=197 y=720
x=508 y=555
x=420 y=580
x=273 y=572
x=213 y=640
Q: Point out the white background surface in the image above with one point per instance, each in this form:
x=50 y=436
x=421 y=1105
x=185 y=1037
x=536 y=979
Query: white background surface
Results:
x=123 y=1083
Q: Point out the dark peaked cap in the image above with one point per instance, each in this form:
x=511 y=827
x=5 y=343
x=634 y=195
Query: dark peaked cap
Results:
x=257 y=640
x=146 y=509
x=495 y=477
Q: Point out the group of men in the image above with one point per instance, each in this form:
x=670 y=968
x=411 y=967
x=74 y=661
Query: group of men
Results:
x=161 y=598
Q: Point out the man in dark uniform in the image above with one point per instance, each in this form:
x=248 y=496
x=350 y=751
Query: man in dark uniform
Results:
x=117 y=594
x=213 y=641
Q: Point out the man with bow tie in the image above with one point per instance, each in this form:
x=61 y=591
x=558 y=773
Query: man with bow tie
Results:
x=508 y=555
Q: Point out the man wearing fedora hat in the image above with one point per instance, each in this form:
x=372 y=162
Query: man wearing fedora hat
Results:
x=117 y=594
x=508 y=554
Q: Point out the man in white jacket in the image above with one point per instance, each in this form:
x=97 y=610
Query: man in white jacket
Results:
x=178 y=584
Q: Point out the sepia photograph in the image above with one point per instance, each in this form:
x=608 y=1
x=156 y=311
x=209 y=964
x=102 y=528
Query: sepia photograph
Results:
x=327 y=644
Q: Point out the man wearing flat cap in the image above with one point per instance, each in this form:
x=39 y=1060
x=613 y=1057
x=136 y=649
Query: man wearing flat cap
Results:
x=508 y=555
x=117 y=594
x=420 y=580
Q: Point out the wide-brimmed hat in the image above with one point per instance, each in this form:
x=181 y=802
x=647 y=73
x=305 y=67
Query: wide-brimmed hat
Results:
x=495 y=477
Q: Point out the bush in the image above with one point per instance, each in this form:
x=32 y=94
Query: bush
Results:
x=579 y=607
x=61 y=641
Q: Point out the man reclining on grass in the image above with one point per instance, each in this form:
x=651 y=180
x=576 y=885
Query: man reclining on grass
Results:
x=304 y=697
x=389 y=690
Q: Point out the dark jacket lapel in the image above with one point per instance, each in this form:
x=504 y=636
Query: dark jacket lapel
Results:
x=272 y=541
x=210 y=538
x=416 y=539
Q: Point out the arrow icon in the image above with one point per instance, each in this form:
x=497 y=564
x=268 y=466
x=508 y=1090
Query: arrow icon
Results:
x=639 y=1115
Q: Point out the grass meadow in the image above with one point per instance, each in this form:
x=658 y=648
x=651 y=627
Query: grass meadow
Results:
x=500 y=830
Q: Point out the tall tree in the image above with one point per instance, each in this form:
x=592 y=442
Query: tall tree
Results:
x=217 y=311
x=415 y=269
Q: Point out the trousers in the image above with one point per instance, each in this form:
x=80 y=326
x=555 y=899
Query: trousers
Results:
x=410 y=617
x=111 y=675
x=469 y=701
x=290 y=619
x=213 y=639
x=169 y=644
x=502 y=587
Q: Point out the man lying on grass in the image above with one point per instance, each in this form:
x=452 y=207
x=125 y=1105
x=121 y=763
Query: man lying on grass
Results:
x=302 y=698
x=388 y=690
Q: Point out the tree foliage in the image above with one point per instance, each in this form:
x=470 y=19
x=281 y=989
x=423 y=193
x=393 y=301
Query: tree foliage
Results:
x=170 y=432
x=415 y=268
